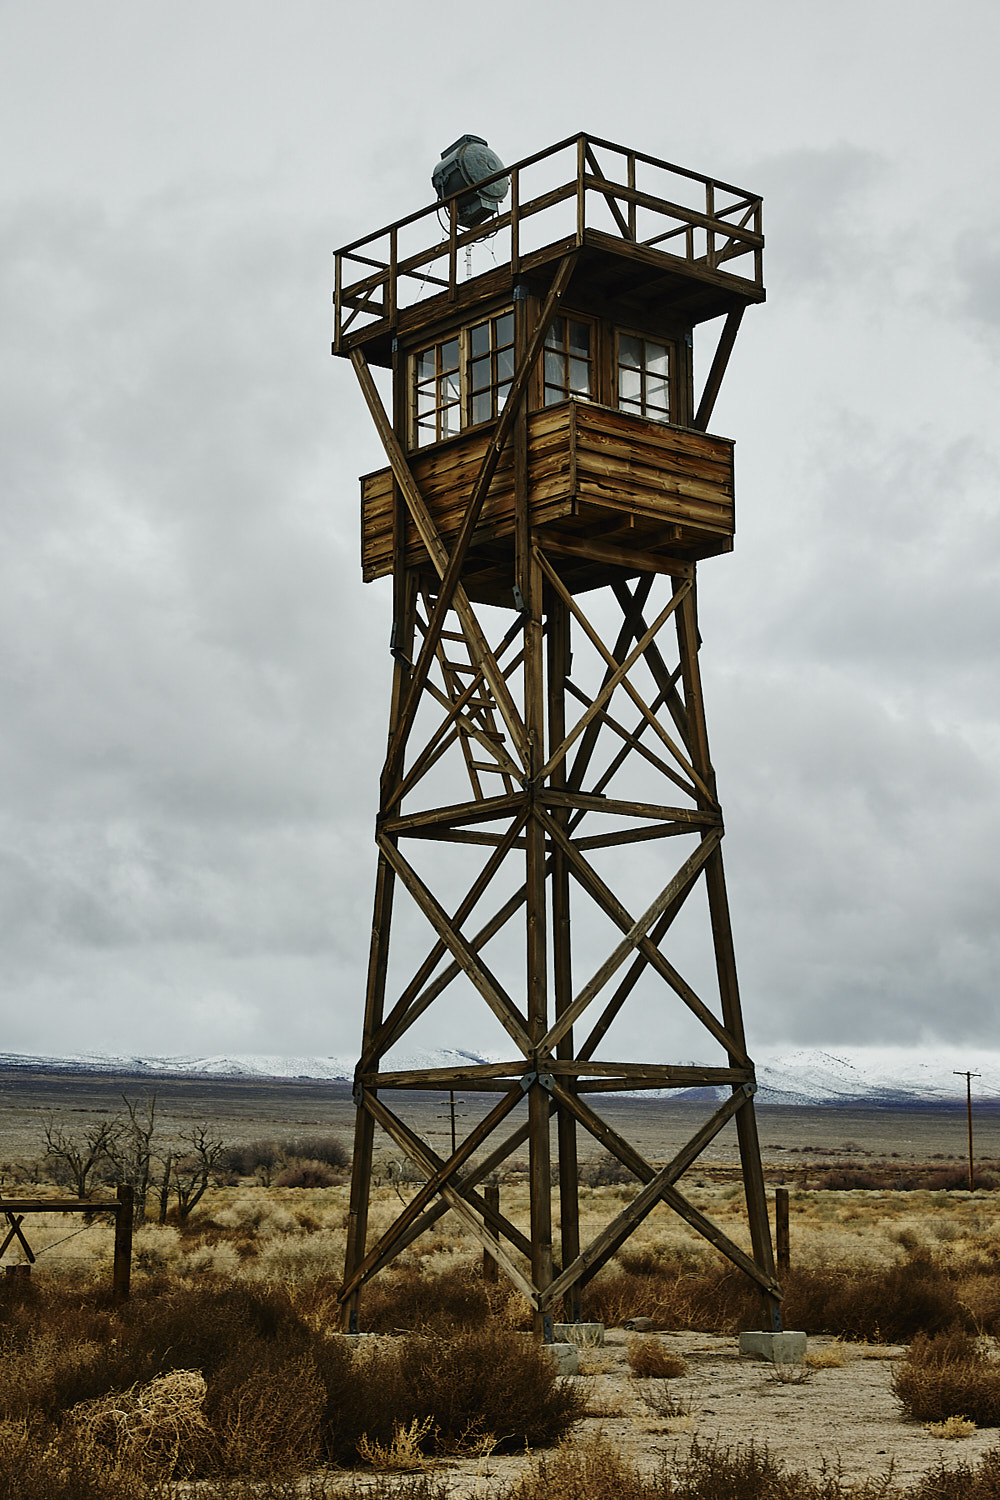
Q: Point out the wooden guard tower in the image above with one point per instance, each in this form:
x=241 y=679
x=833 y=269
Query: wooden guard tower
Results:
x=551 y=487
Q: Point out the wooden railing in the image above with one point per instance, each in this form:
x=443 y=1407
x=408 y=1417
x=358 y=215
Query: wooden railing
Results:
x=556 y=196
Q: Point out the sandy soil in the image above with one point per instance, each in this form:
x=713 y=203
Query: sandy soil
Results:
x=838 y=1420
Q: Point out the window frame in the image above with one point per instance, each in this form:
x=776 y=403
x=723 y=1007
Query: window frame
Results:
x=499 y=352
x=594 y=325
x=640 y=407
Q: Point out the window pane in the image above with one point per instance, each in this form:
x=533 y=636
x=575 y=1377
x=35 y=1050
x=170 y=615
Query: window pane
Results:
x=480 y=339
x=482 y=407
x=633 y=406
x=481 y=374
x=656 y=415
x=425 y=365
x=503 y=392
x=450 y=388
x=579 y=376
x=554 y=369
x=629 y=385
x=504 y=329
x=554 y=394
x=579 y=337
x=425 y=399
x=657 y=392
x=657 y=359
x=425 y=433
x=449 y=355
x=629 y=350
x=505 y=364
x=450 y=421
x=554 y=337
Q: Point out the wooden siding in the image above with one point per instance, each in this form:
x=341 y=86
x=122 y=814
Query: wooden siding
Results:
x=668 y=489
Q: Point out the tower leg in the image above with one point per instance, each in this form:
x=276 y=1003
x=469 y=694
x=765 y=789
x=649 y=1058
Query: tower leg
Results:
x=725 y=958
x=378 y=961
x=562 y=968
x=539 y=1155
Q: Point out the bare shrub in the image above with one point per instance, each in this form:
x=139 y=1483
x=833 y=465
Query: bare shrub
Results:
x=407 y=1300
x=489 y=1382
x=266 y=1411
x=308 y=1174
x=948 y=1375
x=158 y=1430
x=325 y=1148
x=594 y=1469
x=648 y=1360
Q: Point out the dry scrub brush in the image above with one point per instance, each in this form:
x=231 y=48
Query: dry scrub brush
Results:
x=231 y=1378
x=949 y=1375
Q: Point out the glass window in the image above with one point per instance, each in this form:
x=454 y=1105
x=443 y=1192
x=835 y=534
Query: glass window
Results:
x=644 y=377
x=491 y=345
x=568 y=369
x=462 y=381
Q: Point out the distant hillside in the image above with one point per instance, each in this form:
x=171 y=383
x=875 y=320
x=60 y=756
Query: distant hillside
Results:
x=888 y=1077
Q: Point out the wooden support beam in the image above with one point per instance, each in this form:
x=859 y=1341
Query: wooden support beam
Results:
x=713 y=382
x=609 y=903
x=631 y=1158
x=601 y=1249
x=635 y=931
x=422 y=1157
x=502 y=1006
x=619 y=674
x=439 y=557
x=436 y=1182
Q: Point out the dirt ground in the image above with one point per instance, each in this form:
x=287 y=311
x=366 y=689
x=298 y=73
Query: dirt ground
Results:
x=836 y=1420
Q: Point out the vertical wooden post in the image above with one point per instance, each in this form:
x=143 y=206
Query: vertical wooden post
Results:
x=562 y=967
x=781 y=1228
x=725 y=959
x=122 y=1274
x=490 y=1268
x=968 y=1076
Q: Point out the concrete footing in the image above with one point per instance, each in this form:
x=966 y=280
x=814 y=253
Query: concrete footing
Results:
x=779 y=1348
x=565 y=1357
x=584 y=1335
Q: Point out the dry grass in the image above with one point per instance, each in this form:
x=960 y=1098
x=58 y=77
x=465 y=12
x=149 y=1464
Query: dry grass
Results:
x=834 y=1357
x=951 y=1427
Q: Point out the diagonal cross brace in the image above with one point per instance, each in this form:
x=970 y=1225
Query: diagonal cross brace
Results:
x=450 y=588
x=464 y=954
x=606 y=899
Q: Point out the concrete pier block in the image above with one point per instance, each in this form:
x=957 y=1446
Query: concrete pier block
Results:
x=779 y=1348
x=565 y=1357
x=584 y=1335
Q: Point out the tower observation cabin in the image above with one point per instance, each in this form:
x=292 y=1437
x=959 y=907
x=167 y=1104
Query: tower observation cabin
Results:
x=548 y=810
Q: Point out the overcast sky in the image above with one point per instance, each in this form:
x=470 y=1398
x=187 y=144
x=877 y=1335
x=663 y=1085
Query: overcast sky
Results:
x=193 y=679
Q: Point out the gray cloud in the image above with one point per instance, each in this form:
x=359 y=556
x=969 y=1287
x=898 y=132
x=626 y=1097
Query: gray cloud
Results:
x=193 y=681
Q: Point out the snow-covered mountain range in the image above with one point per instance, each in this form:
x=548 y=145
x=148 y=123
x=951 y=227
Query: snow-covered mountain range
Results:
x=888 y=1076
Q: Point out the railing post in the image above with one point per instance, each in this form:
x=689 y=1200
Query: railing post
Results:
x=122 y=1273
x=337 y=281
x=515 y=222
x=581 y=168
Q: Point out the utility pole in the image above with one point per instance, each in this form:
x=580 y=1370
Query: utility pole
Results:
x=968 y=1107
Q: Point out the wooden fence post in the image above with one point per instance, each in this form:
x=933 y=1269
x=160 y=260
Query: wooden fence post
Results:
x=490 y=1268
x=122 y=1274
x=781 y=1228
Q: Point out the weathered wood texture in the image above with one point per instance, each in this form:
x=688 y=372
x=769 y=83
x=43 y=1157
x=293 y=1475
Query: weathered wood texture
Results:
x=657 y=490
